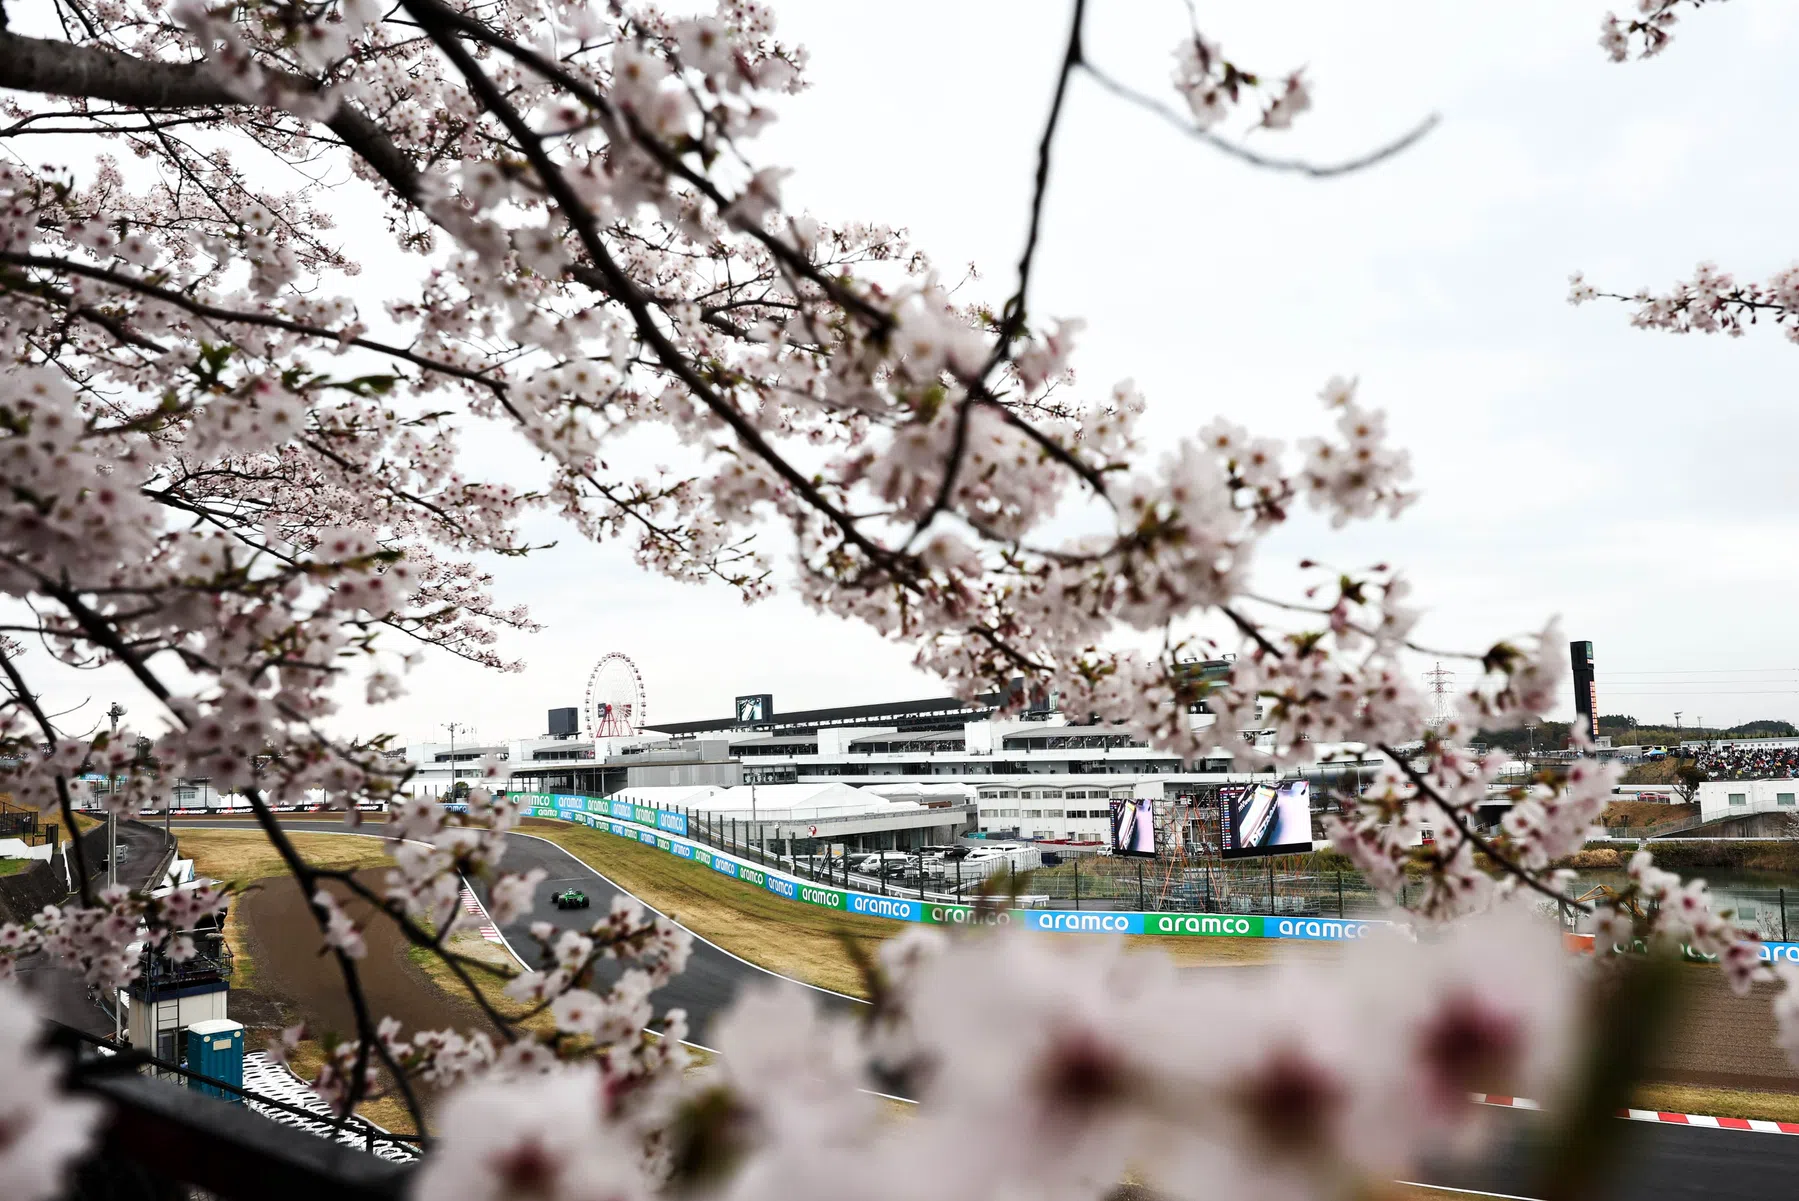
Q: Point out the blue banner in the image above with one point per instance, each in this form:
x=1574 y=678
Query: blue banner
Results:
x=1087 y=921
x=1327 y=929
x=890 y=907
x=643 y=823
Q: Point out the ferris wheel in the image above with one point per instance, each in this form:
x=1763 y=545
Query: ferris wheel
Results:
x=614 y=706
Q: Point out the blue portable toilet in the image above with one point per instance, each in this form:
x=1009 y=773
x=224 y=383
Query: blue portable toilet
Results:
x=215 y=1048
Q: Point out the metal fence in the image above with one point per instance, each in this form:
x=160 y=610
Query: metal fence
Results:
x=1306 y=885
x=1288 y=885
x=1296 y=885
x=163 y=1141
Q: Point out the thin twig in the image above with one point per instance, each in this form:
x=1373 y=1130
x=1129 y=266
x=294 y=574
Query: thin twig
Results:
x=1268 y=162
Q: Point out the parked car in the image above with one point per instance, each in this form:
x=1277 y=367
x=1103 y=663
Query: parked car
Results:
x=897 y=862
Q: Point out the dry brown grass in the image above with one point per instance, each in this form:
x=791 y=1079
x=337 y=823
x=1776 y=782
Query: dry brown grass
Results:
x=242 y=856
x=783 y=936
x=807 y=943
x=1718 y=1102
x=1232 y=952
x=388 y=1112
x=1644 y=813
x=491 y=988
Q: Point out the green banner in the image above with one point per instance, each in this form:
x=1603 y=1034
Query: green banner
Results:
x=829 y=898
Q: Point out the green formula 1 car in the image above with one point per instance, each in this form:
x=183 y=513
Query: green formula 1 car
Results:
x=571 y=898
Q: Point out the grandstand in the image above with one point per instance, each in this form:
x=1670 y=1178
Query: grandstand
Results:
x=1747 y=759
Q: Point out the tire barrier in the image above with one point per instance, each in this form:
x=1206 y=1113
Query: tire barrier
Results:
x=666 y=831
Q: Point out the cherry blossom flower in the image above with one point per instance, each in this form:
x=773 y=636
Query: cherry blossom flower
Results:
x=42 y=1130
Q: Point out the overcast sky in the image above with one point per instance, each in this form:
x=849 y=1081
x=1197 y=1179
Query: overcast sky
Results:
x=1637 y=484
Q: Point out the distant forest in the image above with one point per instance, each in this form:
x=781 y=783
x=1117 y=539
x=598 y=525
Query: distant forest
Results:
x=1625 y=730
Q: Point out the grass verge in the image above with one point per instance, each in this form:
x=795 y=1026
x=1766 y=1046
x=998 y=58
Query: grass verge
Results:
x=241 y=856
x=469 y=943
x=9 y=867
x=388 y=1112
x=1718 y=1102
x=795 y=940
x=807 y=943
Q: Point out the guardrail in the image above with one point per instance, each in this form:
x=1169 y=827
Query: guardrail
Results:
x=657 y=828
x=595 y=813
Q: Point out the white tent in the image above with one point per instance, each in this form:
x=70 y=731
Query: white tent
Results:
x=771 y=802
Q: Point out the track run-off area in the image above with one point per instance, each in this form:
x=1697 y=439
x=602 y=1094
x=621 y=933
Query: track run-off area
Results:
x=1659 y=1160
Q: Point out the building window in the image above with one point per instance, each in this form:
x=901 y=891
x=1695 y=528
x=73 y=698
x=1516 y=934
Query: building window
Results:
x=1738 y=798
x=1784 y=798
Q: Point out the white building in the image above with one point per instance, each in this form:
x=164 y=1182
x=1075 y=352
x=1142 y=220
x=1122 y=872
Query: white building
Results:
x=1740 y=798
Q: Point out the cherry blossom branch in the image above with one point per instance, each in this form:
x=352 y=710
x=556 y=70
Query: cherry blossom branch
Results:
x=23 y=695
x=1712 y=302
x=30 y=64
x=1267 y=162
x=1468 y=834
x=226 y=316
x=618 y=284
x=1653 y=28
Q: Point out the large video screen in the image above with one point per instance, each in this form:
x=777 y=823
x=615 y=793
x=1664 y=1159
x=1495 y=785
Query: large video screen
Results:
x=1266 y=818
x=1134 y=827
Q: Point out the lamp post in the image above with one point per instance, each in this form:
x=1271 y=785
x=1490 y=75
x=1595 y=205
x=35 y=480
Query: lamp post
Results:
x=452 y=727
x=113 y=714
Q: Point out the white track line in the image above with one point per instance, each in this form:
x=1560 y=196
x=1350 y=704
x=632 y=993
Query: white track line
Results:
x=1467 y=1192
x=627 y=892
x=697 y=937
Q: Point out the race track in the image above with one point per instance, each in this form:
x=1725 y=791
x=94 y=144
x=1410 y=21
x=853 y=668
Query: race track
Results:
x=1661 y=1162
x=713 y=976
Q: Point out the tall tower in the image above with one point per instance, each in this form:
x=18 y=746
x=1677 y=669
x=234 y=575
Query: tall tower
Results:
x=1586 y=693
x=1441 y=684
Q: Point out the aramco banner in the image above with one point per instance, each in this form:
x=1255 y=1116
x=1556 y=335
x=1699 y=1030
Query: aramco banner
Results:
x=654 y=827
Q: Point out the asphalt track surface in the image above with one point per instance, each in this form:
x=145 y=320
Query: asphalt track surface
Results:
x=1658 y=1162
x=59 y=991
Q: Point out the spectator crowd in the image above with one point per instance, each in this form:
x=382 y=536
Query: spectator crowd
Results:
x=1750 y=763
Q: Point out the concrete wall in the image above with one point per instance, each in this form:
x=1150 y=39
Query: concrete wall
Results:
x=725 y=775
x=141 y=1019
x=1739 y=798
x=24 y=893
